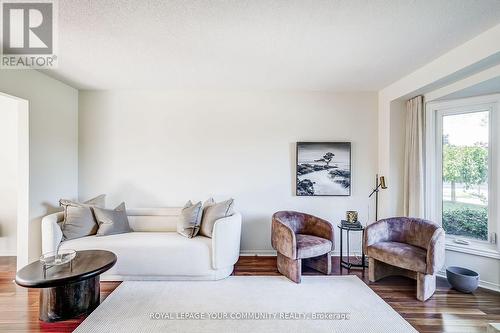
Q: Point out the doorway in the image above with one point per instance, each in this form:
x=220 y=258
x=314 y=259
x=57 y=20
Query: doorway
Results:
x=14 y=177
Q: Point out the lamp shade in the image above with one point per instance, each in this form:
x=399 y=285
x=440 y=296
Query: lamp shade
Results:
x=382 y=182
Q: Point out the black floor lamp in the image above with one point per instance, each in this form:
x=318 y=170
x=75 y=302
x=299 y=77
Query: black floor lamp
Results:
x=379 y=184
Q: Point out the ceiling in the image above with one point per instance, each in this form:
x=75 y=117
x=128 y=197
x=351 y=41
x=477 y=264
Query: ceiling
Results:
x=349 y=45
x=488 y=87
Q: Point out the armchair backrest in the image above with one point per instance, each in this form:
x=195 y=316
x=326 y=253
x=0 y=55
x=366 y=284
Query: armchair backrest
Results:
x=294 y=220
x=413 y=231
x=306 y=224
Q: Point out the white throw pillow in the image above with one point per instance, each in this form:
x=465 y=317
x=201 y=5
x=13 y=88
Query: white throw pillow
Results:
x=213 y=211
x=79 y=220
x=189 y=220
x=112 y=222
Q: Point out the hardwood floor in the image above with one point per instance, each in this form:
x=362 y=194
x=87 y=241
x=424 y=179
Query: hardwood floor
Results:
x=447 y=311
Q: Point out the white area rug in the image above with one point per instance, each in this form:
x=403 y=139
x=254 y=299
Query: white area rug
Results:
x=274 y=303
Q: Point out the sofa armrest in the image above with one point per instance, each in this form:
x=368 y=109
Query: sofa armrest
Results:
x=51 y=232
x=374 y=233
x=226 y=238
x=283 y=239
x=436 y=252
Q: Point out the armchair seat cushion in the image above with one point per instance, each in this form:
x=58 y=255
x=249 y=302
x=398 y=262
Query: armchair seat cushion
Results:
x=399 y=254
x=312 y=246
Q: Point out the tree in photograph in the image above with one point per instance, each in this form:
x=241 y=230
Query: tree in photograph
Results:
x=451 y=167
x=327 y=158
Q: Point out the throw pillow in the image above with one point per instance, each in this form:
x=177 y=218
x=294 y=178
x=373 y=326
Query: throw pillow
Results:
x=79 y=220
x=112 y=222
x=213 y=211
x=190 y=219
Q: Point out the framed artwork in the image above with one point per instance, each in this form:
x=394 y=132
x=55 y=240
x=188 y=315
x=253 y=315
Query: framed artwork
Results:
x=323 y=168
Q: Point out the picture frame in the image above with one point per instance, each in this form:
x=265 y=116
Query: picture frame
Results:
x=323 y=169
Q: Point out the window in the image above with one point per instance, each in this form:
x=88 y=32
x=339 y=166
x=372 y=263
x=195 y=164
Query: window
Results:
x=464 y=170
x=462 y=177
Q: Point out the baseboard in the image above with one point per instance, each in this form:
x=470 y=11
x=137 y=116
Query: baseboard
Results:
x=8 y=254
x=270 y=253
x=489 y=286
x=482 y=284
x=258 y=253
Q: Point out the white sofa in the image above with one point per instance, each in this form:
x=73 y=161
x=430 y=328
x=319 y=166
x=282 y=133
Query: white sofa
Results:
x=154 y=250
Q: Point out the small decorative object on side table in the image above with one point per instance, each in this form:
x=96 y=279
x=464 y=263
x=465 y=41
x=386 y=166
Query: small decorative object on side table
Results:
x=351 y=216
x=348 y=227
x=69 y=282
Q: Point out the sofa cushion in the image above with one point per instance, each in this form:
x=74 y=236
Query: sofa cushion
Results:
x=213 y=211
x=399 y=254
x=312 y=246
x=112 y=221
x=79 y=220
x=189 y=220
x=151 y=254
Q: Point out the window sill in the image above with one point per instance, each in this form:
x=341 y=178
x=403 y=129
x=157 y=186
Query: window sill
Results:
x=478 y=249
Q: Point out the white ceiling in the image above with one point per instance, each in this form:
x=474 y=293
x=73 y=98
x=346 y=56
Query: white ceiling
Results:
x=350 y=45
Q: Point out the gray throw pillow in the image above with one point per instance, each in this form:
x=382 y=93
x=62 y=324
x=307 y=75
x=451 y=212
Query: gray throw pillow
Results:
x=112 y=222
x=213 y=211
x=189 y=220
x=79 y=220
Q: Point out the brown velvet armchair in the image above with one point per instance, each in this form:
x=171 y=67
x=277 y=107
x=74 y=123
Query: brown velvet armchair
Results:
x=299 y=237
x=406 y=246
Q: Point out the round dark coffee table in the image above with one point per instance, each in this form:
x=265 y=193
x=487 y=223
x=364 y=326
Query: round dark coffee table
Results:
x=68 y=291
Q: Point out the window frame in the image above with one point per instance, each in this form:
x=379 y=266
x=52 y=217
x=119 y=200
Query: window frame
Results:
x=434 y=111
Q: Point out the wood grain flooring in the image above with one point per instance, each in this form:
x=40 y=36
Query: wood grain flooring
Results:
x=447 y=311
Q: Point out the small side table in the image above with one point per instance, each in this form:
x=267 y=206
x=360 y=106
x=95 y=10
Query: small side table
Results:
x=347 y=264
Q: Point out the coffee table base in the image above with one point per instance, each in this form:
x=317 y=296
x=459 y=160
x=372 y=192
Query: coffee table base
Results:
x=70 y=300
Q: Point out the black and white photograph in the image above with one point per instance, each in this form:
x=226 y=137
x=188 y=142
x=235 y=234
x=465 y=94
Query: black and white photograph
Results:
x=323 y=168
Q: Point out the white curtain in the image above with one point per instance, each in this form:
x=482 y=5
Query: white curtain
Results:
x=414 y=158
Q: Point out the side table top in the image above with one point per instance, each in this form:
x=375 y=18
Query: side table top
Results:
x=86 y=264
x=354 y=227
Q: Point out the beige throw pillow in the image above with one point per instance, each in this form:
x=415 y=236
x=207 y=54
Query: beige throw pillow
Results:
x=79 y=220
x=213 y=211
x=112 y=222
x=189 y=220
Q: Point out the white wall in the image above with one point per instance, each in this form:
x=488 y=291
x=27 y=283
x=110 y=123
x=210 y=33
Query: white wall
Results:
x=154 y=148
x=8 y=175
x=53 y=141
